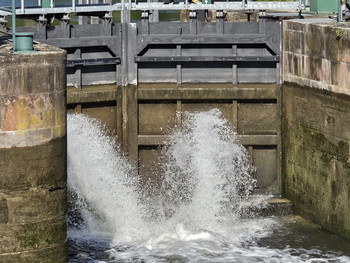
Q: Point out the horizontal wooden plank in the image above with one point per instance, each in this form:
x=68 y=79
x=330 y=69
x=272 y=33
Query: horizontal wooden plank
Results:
x=75 y=96
x=232 y=93
x=258 y=140
x=251 y=140
x=152 y=140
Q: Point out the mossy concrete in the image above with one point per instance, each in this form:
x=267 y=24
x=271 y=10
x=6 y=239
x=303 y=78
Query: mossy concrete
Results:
x=33 y=155
x=315 y=118
x=316 y=139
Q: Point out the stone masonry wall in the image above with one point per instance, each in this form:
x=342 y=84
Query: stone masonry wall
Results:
x=317 y=54
x=316 y=122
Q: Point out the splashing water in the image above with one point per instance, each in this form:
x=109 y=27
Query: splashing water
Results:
x=198 y=214
x=101 y=181
x=206 y=173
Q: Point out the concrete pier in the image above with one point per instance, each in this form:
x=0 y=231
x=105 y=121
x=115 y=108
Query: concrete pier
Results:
x=33 y=155
x=315 y=117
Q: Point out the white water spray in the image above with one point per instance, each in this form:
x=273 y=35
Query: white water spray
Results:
x=198 y=214
x=206 y=172
x=206 y=180
x=101 y=181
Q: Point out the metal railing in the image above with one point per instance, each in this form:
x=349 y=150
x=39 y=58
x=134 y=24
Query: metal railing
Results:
x=135 y=5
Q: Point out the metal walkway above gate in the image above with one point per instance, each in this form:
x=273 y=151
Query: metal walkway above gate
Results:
x=132 y=6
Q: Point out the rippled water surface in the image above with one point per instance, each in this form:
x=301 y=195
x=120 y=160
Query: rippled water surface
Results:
x=292 y=240
x=201 y=212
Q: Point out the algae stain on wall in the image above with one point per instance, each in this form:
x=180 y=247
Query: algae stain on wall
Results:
x=316 y=155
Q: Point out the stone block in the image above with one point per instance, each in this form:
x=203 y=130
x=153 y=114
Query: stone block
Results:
x=315 y=68
x=334 y=43
x=4 y=214
x=294 y=25
x=28 y=112
x=345 y=56
x=29 y=75
x=339 y=72
x=36 y=205
x=326 y=71
x=57 y=254
x=323 y=114
x=26 y=237
x=287 y=62
x=315 y=42
x=286 y=36
x=297 y=42
x=32 y=167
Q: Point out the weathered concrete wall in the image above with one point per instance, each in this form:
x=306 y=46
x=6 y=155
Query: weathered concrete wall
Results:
x=316 y=127
x=33 y=155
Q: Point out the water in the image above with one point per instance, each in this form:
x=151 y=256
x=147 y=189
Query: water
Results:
x=200 y=213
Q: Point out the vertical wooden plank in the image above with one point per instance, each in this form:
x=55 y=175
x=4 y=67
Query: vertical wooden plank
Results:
x=179 y=113
x=120 y=115
x=124 y=119
x=235 y=114
x=251 y=158
x=133 y=123
x=130 y=122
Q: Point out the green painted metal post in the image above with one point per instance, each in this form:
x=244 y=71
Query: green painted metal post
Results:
x=48 y=3
x=13 y=25
x=21 y=42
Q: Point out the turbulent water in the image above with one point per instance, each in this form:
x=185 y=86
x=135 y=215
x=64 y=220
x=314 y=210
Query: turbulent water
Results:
x=199 y=213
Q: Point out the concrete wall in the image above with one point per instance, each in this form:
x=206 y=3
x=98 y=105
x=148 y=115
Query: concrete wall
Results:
x=33 y=155
x=315 y=125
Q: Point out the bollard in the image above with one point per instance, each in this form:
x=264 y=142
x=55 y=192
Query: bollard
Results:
x=24 y=42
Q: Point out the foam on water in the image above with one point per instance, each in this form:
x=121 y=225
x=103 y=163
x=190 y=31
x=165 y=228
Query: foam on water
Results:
x=199 y=213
